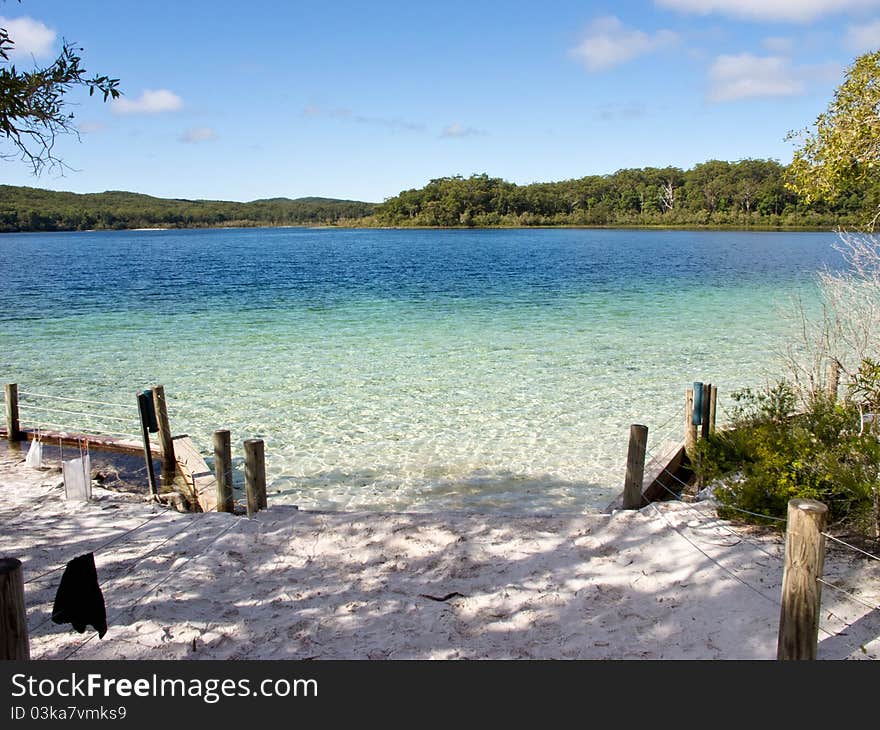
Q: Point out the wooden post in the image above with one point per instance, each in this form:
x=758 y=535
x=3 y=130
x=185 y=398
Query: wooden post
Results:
x=255 y=475
x=13 y=429
x=690 y=431
x=712 y=406
x=801 y=590
x=13 y=617
x=223 y=470
x=144 y=404
x=635 y=467
x=169 y=464
x=833 y=380
x=707 y=411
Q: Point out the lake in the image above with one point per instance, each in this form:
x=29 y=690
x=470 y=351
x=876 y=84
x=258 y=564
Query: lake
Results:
x=403 y=369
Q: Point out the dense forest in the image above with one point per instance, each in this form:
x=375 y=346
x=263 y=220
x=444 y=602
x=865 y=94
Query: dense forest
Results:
x=744 y=193
x=714 y=193
x=32 y=209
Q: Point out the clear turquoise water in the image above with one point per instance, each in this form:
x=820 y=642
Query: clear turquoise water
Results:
x=405 y=370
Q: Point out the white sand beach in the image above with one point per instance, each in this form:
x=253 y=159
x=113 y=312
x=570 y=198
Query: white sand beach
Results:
x=668 y=582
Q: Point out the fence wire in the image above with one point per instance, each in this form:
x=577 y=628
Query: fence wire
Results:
x=72 y=400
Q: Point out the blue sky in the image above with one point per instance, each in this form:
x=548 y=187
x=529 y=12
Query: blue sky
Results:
x=239 y=101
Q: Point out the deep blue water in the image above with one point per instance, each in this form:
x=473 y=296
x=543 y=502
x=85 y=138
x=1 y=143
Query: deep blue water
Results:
x=194 y=270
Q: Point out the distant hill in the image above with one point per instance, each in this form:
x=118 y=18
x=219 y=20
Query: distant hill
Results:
x=33 y=209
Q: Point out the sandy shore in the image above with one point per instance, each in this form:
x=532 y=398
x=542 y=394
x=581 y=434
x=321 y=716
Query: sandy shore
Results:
x=668 y=582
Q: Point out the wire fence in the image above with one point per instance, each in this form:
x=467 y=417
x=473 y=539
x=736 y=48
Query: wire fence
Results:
x=43 y=411
x=155 y=586
x=836 y=589
x=717 y=521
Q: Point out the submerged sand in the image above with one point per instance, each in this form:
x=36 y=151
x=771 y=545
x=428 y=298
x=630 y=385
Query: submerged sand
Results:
x=668 y=582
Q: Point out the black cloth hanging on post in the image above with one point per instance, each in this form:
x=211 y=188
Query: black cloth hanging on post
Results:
x=79 y=600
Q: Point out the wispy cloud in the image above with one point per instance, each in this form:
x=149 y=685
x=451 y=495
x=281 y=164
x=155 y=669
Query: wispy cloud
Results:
x=745 y=76
x=91 y=127
x=797 y=11
x=613 y=112
x=198 y=134
x=393 y=123
x=31 y=38
x=862 y=38
x=609 y=43
x=149 y=102
x=456 y=130
x=314 y=112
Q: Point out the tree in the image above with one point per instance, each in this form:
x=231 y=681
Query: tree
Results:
x=838 y=158
x=844 y=149
x=34 y=107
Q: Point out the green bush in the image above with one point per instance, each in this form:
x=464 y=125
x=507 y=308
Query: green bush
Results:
x=773 y=454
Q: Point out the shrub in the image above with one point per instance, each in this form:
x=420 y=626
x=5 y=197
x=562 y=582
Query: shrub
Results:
x=773 y=454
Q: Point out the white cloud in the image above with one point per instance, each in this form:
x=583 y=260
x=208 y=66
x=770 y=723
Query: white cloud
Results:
x=608 y=43
x=198 y=134
x=746 y=76
x=395 y=124
x=862 y=38
x=778 y=44
x=798 y=11
x=31 y=37
x=458 y=130
x=150 y=102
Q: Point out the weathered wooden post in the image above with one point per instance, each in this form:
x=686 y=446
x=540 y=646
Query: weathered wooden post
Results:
x=833 y=380
x=223 y=470
x=801 y=590
x=148 y=425
x=690 y=430
x=169 y=464
x=13 y=617
x=255 y=475
x=13 y=429
x=705 y=416
x=635 y=466
x=712 y=407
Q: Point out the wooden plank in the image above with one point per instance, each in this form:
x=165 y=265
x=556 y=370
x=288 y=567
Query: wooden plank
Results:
x=661 y=476
x=74 y=438
x=199 y=478
x=666 y=472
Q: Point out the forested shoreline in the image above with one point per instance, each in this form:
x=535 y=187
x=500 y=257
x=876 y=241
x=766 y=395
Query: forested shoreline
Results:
x=743 y=194
x=724 y=194
x=33 y=209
